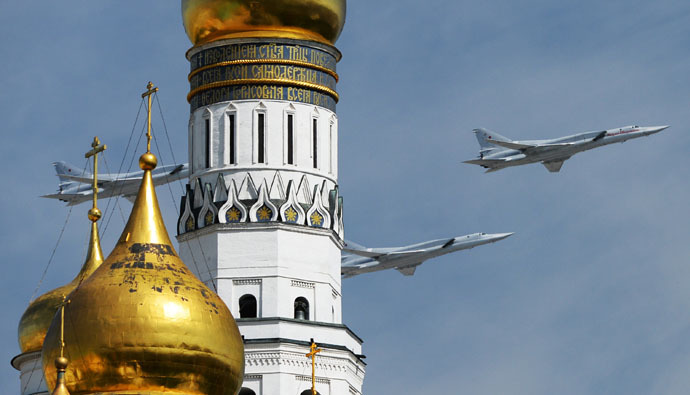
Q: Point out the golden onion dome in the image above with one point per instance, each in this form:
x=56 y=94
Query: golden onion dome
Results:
x=37 y=317
x=316 y=20
x=142 y=323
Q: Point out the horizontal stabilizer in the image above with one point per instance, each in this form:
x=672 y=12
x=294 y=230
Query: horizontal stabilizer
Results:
x=485 y=162
x=71 y=199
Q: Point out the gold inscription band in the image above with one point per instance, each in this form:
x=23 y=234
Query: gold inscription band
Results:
x=298 y=63
x=251 y=81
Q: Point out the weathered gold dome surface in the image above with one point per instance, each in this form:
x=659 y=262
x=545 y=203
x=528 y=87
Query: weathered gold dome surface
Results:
x=142 y=323
x=210 y=20
x=36 y=319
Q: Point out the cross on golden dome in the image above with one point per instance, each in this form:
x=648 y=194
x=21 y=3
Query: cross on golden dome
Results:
x=312 y=355
x=96 y=147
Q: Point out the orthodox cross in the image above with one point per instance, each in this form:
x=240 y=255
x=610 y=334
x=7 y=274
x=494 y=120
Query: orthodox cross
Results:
x=150 y=91
x=312 y=355
x=96 y=147
x=64 y=303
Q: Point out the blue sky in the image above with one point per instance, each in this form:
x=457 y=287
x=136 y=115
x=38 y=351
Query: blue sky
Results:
x=590 y=296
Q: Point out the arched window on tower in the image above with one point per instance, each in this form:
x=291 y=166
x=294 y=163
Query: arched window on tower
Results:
x=315 y=143
x=207 y=143
x=308 y=392
x=248 y=306
x=290 y=139
x=232 y=157
x=301 y=309
x=261 y=138
x=246 y=391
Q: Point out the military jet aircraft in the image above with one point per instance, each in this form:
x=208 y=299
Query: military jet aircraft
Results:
x=357 y=259
x=76 y=184
x=498 y=152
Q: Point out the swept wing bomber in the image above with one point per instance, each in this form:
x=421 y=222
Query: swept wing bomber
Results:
x=498 y=152
x=356 y=259
x=75 y=183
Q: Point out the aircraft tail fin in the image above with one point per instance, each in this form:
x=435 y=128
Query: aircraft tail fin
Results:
x=64 y=169
x=484 y=135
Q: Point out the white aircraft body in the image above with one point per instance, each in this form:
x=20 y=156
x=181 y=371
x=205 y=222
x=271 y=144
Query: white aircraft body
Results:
x=357 y=259
x=498 y=152
x=76 y=184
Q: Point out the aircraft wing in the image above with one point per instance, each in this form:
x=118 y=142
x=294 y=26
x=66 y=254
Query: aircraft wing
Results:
x=368 y=252
x=177 y=169
x=383 y=256
x=529 y=148
x=87 y=180
x=407 y=270
x=403 y=254
x=510 y=144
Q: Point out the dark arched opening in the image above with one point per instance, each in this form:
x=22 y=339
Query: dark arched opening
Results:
x=248 y=306
x=308 y=392
x=246 y=391
x=301 y=309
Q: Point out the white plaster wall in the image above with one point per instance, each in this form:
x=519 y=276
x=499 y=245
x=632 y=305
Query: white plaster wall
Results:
x=284 y=369
x=288 y=261
x=31 y=374
x=246 y=149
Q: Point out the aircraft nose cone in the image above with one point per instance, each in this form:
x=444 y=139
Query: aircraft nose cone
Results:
x=501 y=236
x=657 y=129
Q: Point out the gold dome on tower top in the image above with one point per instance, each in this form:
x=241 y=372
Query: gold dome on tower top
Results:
x=315 y=20
x=142 y=323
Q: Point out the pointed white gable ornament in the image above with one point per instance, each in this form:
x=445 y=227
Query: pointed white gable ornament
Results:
x=208 y=213
x=263 y=210
x=187 y=222
x=233 y=211
x=317 y=216
x=291 y=212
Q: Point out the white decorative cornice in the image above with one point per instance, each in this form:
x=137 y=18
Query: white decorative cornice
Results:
x=297 y=360
x=246 y=281
x=302 y=284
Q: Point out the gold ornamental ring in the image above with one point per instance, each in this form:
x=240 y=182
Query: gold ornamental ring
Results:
x=257 y=81
x=298 y=63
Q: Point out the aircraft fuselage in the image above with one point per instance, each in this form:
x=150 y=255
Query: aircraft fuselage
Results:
x=413 y=255
x=554 y=150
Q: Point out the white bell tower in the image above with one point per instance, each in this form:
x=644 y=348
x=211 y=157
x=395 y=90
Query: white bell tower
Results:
x=262 y=218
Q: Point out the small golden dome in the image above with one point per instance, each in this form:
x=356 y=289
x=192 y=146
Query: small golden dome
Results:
x=143 y=323
x=37 y=317
x=316 y=20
